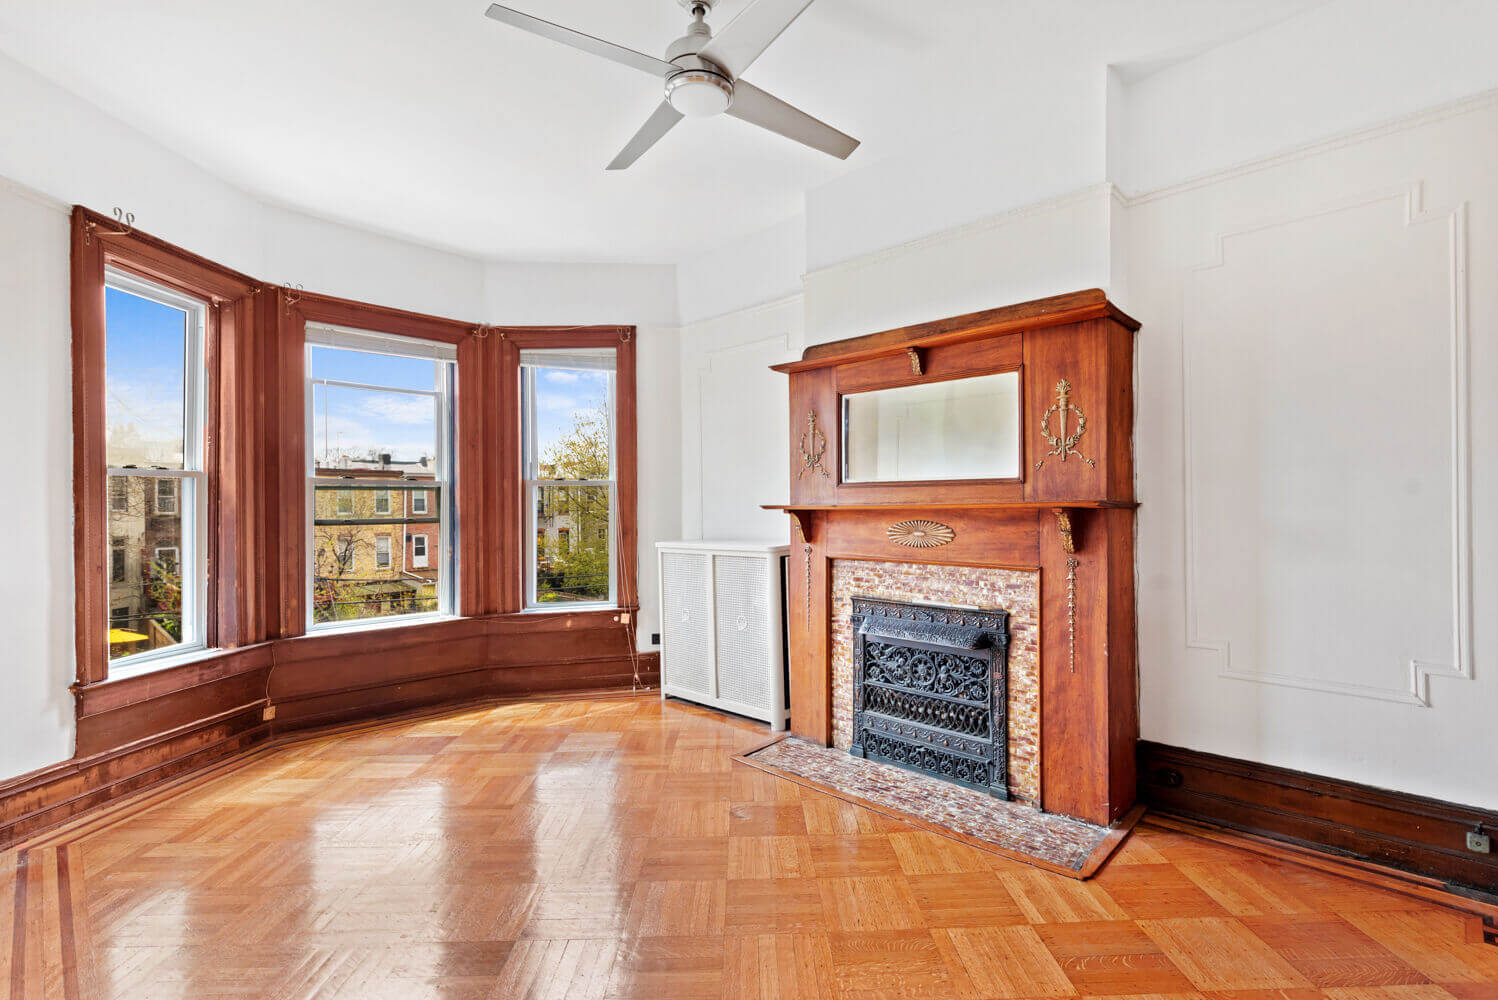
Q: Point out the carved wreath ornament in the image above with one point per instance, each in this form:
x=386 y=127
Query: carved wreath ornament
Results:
x=920 y=534
x=1063 y=444
x=813 y=447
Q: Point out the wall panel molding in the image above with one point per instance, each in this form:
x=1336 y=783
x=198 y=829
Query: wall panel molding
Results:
x=1418 y=670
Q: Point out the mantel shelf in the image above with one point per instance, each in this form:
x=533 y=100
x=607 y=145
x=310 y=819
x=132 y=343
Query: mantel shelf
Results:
x=991 y=505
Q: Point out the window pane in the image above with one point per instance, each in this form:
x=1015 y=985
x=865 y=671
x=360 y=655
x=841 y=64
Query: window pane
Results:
x=365 y=560
x=371 y=429
x=339 y=364
x=145 y=365
x=572 y=546
x=145 y=565
x=572 y=424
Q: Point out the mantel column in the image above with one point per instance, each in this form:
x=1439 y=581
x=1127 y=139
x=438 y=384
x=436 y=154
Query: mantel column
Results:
x=809 y=619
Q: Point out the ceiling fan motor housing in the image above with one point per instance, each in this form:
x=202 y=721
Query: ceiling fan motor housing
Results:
x=702 y=88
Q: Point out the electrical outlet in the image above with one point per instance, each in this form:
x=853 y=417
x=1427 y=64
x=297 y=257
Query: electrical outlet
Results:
x=1479 y=842
x=268 y=713
x=655 y=638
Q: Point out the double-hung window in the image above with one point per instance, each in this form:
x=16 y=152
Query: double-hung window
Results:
x=568 y=458
x=157 y=494
x=379 y=436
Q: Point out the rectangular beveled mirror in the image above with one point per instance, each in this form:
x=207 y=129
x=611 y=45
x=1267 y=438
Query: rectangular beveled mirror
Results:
x=966 y=428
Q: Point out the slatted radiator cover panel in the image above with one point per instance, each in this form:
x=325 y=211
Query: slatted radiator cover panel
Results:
x=743 y=617
x=687 y=635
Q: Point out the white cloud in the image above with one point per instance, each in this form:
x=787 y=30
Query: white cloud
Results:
x=564 y=378
x=398 y=409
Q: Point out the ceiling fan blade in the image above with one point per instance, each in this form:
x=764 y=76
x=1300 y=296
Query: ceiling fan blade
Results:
x=749 y=34
x=756 y=107
x=650 y=133
x=578 y=40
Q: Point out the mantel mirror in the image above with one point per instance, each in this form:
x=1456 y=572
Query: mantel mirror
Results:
x=958 y=429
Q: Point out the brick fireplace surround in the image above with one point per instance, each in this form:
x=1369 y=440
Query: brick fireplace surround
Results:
x=1054 y=547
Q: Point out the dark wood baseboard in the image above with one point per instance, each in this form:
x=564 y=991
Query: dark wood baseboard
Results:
x=1410 y=833
x=464 y=686
x=42 y=799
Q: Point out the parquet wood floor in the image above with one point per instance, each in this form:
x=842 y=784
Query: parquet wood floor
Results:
x=610 y=848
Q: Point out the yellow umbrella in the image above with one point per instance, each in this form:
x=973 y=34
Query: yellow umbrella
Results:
x=125 y=635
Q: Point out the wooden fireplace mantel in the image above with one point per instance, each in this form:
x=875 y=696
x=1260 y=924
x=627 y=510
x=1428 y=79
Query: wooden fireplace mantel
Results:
x=1068 y=516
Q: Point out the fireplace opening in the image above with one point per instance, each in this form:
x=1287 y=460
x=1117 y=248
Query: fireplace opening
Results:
x=929 y=690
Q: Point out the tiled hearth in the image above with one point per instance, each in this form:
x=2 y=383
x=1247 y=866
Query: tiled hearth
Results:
x=1013 y=591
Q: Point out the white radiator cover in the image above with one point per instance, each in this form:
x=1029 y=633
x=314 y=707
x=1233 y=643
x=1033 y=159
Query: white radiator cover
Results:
x=722 y=626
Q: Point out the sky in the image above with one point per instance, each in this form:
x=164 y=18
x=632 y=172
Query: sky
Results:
x=144 y=362
x=144 y=366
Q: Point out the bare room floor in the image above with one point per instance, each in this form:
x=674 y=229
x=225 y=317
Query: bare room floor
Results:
x=610 y=847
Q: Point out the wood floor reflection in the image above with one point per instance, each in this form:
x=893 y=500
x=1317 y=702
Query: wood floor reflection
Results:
x=609 y=847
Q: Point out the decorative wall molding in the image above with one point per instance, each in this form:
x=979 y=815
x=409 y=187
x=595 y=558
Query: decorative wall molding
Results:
x=1404 y=123
x=706 y=363
x=1417 y=691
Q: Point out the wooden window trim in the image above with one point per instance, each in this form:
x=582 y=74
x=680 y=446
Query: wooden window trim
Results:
x=512 y=341
x=258 y=651
x=99 y=243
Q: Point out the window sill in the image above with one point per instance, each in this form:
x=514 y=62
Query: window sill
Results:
x=376 y=625
x=141 y=669
x=563 y=609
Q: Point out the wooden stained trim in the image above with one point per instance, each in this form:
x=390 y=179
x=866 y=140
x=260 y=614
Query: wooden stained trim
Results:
x=626 y=428
x=1058 y=310
x=1407 y=832
x=99 y=243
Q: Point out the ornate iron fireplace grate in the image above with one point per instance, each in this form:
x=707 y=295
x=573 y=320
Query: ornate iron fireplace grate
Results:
x=929 y=690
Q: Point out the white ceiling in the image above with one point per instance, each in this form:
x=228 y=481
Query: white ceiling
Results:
x=429 y=121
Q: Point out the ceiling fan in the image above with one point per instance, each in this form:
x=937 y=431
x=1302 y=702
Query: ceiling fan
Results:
x=703 y=74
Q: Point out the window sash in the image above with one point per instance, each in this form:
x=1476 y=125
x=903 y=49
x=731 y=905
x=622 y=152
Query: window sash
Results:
x=190 y=502
x=447 y=565
x=192 y=509
x=531 y=362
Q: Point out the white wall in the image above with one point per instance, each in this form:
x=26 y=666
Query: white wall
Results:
x=1340 y=66
x=36 y=714
x=1313 y=590
x=735 y=421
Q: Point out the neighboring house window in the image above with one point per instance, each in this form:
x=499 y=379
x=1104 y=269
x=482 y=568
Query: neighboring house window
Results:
x=117 y=561
x=419 y=551
x=381 y=411
x=166 y=496
x=154 y=379
x=568 y=461
x=166 y=558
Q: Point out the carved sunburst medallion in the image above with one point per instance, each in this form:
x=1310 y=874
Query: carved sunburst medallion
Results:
x=920 y=534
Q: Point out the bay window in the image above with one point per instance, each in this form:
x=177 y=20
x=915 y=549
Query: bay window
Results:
x=154 y=450
x=379 y=436
x=568 y=457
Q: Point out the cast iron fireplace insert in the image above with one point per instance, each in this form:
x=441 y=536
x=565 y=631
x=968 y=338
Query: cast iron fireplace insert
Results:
x=929 y=691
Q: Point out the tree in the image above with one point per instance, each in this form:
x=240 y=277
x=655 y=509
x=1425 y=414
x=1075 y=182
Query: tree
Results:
x=581 y=571
x=335 y=596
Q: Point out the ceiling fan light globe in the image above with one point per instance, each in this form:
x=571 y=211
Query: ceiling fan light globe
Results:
x=699 y=94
